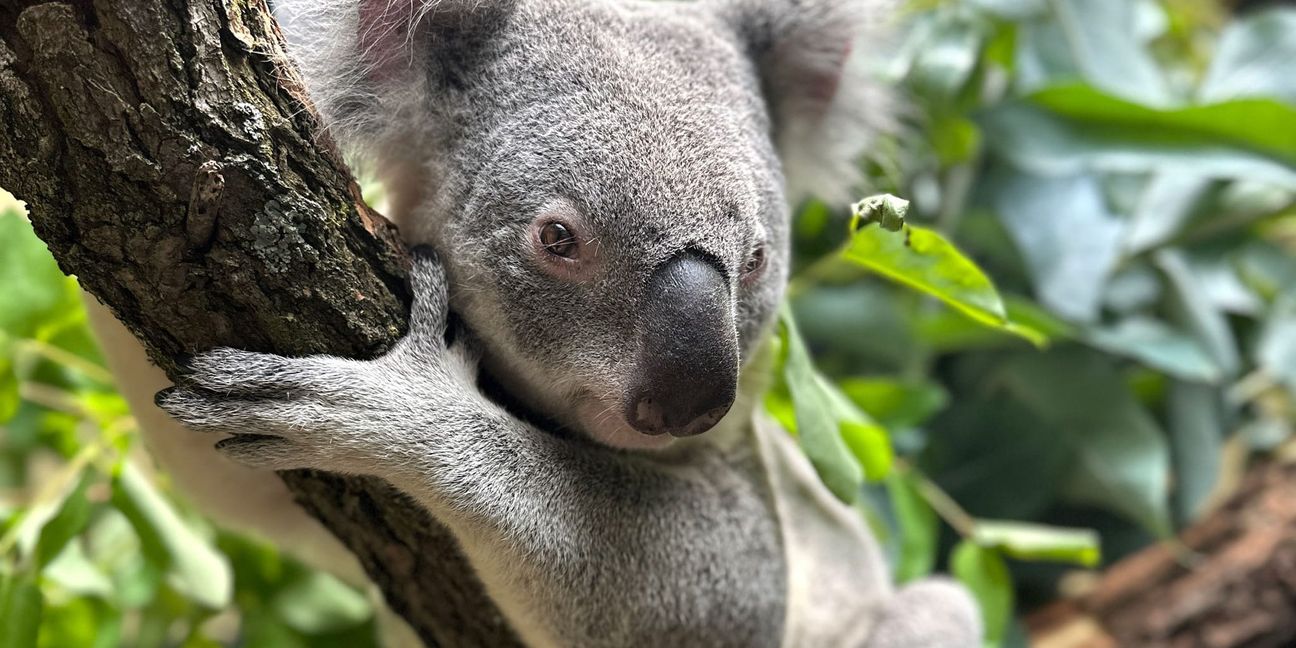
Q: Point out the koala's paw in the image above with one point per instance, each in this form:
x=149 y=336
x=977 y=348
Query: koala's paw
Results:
x=282 y=413
x=322 y=412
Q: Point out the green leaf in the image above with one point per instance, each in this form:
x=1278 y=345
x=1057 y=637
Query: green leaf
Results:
x=893 y=402
x=1159 y=347
x=35 y=289
x=816 y=428
x=1276 y=351
x=1027 y=541
x=1196 y=424
x=9 y=397
x=194 y=567
x=1198 y=313
x=1122 y=462
x=1100 y=41
x=1253 y=58
x=1045 y=143
x=319 y=603
x=1064 y=231
x=984 y=573
x=21 y=604
x=919 y=531
x=1261 y=125
x=71 y=518
x=924 y=260
x=837 y=437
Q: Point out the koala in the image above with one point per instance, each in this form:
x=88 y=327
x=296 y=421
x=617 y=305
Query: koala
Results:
x=598 y=192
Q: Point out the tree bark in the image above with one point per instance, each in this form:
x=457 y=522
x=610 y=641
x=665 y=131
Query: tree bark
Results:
x=1229 y=582
x=171 y=162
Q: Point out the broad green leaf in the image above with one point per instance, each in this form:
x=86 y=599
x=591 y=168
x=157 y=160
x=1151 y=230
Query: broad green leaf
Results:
x=73 y=571
x=842 y=442
x=21 y=605
x=1045 y=143
x=1261 y=125
x=893 y=402
x=1062 y=228
x=34 y=289
x=984 y=573
x=1095 y=40
x=919 y=528
x=1122 y=462
x=1167 y=202
x=1028 y=541
x=319 y=603
x=194 y=567
x=1158 y=346
x=816 y=428
x=1253 y=59
x=1276 y=351
x=1207 y=322
x=70 y=519
x=1196 y=425
x=924 y=260
x=947 y=58
x=9 y=398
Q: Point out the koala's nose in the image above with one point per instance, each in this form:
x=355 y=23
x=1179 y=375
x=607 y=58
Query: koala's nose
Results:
x=687 y=370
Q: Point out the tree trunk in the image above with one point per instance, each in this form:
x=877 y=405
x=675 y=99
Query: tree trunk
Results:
x=1230 y=582
x=170 y=161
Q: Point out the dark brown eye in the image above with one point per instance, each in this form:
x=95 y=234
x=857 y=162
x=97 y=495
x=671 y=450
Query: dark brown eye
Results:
x=754 y=262
x=558 y=240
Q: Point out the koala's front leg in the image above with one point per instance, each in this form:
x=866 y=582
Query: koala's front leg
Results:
x=579 y=545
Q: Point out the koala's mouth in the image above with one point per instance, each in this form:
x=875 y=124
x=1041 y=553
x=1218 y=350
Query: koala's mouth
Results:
x=596 y=420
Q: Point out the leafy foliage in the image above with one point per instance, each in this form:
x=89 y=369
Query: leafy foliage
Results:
x=1112 y=181
x=1085 y=315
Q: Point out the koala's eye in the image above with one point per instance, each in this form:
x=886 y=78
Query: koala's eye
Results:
x=754 y=262
x=558 y=240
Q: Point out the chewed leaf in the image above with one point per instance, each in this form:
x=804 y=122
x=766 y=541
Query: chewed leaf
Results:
x=924 y=260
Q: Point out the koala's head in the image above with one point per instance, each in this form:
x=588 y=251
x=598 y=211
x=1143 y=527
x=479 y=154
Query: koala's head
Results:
x=605 y=180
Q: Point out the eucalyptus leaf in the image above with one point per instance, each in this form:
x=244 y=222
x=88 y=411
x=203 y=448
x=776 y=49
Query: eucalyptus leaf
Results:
x=1254 y=58
x=986 y=575
x=816 y=426
x=1045 y=143
x=1158 y=346
x=1198 y=313
x=21 y=605
x=1122 y=461
x=194 y=567
x=918 y=525
x=1262 y=125
x=1276 y=350
x=1196 y=428
x=1027 y=541
x=1070 y=241
x=924 y=260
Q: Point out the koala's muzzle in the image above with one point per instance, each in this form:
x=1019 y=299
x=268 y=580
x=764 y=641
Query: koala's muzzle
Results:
x=687 y=371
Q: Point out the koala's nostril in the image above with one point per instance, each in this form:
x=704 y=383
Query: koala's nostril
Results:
x=685 y=412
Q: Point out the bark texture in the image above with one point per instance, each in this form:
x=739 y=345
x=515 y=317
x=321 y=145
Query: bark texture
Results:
x=1229 y=583
x=171 y=162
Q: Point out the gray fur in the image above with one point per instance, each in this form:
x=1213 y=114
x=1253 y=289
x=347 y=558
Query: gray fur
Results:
x=653 y=127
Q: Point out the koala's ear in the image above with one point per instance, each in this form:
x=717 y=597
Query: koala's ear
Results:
x=812 y=56
x=371 y=65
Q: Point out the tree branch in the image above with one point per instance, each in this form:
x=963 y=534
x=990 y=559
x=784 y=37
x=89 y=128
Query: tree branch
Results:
x=170 y=162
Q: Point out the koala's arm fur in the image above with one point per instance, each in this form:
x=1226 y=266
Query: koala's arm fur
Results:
x=582 y=546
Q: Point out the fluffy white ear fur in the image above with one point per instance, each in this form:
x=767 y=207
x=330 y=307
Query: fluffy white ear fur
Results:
x=815 y=60
x=364 y=64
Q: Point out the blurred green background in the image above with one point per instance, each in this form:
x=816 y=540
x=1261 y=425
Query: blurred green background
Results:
x=1107 y=343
